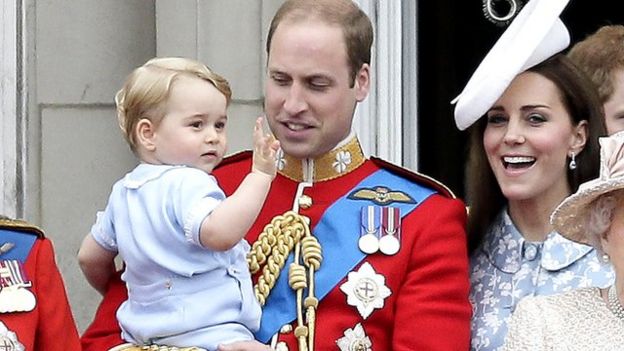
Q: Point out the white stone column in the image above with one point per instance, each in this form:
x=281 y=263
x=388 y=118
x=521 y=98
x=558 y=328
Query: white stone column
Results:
x=8 y=107
x=379 y=118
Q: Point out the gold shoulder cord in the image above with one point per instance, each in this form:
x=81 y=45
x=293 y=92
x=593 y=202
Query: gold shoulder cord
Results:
x=285 y=233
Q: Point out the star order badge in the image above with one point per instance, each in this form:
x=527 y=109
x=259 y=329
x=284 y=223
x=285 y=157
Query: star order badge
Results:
x=355 y=340
x=366 y=290
x=8 y=340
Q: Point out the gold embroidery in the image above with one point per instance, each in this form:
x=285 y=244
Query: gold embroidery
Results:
x=333 y=164
x=19 y=225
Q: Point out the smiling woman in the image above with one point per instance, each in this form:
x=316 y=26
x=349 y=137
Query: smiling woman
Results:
x=520 y=168
x=528 y=134
x=534 y=125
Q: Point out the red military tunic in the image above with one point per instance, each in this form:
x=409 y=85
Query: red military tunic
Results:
x=428 y=307
x=50 y=325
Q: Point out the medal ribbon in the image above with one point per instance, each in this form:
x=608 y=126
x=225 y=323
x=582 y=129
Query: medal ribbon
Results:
x=12 y=274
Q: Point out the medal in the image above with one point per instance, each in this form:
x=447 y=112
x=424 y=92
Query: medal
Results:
x=355 y=340
x=369 y=229
x=390 y=241
x=14 y=295
x=366 y=290
x=8 y=340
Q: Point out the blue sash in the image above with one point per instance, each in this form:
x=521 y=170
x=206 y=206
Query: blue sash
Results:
x=338 y=231
x=23 y=243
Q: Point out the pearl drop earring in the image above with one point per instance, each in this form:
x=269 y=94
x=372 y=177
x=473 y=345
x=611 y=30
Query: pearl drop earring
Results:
x=572 y=164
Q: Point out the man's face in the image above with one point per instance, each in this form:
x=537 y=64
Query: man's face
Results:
x=309 y=99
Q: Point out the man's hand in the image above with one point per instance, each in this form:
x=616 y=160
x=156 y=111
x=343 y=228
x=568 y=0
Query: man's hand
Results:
x=245 y=346
x=265 y=149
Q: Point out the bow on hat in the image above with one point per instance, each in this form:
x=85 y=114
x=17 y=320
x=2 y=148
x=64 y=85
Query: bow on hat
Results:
x=612 y=156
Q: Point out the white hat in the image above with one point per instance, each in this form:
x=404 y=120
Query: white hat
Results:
x=534 y=35
x=569 y=218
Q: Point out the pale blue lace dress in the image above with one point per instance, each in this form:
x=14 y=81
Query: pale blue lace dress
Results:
x=507 y=268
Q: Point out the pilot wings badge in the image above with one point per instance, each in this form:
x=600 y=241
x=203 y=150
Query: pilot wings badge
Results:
x=381 y=195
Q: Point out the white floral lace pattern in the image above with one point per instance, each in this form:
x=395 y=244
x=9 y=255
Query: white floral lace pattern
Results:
x=574 y=321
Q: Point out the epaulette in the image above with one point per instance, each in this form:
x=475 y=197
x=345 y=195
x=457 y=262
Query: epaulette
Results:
x=17 y=238
x=20 y=226
x=415 y=176
x=236 y=157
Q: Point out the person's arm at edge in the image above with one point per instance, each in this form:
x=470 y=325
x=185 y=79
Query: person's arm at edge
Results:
x=97 y=264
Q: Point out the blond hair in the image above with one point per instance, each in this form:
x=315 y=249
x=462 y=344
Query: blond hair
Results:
x=147 y=88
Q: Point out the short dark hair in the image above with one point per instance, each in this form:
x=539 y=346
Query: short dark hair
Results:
x=355 y=24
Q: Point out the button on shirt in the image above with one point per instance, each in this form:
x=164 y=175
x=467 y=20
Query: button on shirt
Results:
x=506 y=268
x=179 y=293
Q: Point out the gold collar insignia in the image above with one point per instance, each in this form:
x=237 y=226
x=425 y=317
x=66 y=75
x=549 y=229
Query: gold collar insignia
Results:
x=333 y=164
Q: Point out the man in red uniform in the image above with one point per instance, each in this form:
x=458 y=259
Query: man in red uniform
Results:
x=348 y=253
x=34 y=311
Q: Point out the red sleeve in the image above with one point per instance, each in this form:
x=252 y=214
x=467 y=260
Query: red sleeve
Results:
x=56 y=328
x=104 y=332
x=432 y=310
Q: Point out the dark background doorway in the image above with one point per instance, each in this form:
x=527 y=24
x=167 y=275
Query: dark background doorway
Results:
x=453 y=37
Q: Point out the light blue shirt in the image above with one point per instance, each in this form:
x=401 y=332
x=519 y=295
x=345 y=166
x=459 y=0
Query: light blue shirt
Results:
x=507 y=268
x=179 y=293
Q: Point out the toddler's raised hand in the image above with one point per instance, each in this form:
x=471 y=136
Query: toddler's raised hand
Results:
x=265 y=149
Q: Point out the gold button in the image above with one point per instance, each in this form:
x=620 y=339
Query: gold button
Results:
x=305 y=202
